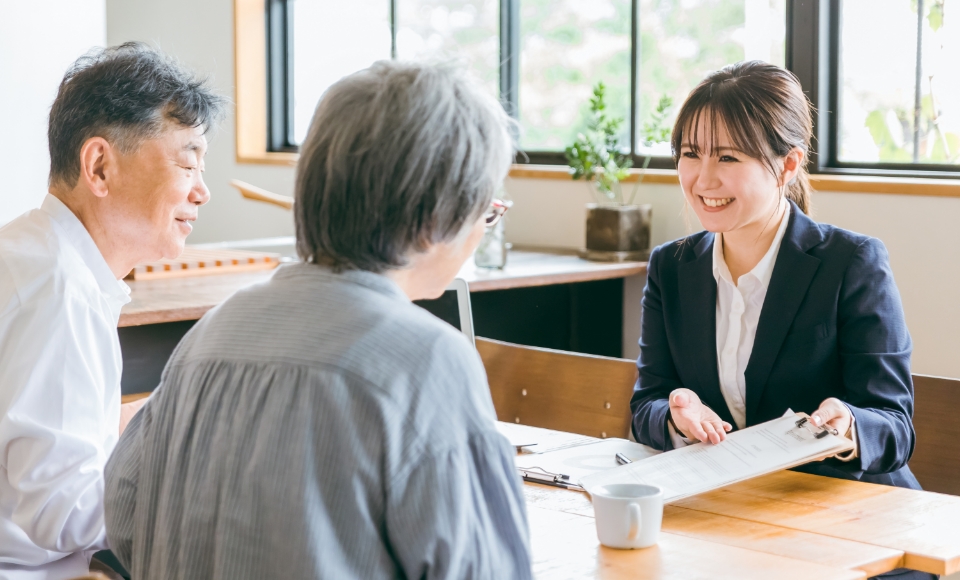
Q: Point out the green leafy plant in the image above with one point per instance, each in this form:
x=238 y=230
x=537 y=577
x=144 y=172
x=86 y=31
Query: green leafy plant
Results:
x=595 y=155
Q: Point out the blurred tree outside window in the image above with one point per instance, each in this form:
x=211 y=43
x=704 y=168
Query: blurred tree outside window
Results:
x=683 y=40
x=466 y=32
x=882 y=91
x=566 y=47
x=897 y=93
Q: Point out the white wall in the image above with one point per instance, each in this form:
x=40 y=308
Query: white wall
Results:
x=200 y=35
x=921 y=234
x=38 y=41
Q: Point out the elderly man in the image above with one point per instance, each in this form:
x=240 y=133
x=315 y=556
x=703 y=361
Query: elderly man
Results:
x=126 y=143
x=320 y=425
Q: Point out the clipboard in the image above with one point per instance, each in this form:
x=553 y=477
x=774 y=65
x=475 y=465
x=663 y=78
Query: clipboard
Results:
x=776 y=445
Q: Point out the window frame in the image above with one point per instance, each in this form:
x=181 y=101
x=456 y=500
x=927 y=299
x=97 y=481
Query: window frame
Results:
x=811 y=52
x=280 y=57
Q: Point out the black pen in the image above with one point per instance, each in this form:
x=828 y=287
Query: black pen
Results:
x=559 y=480
x=571 y=486
x=623 y=459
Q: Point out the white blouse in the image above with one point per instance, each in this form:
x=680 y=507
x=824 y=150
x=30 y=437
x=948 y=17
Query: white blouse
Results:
x=738 y=313
x=60 y=370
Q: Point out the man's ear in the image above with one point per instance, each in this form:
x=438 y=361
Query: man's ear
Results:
x=792 y=164
x=96 y=157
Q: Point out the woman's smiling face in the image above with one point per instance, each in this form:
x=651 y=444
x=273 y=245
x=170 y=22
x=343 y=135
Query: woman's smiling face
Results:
x=727 y=188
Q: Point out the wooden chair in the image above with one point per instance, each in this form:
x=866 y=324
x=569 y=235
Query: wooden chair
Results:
x=936 y=458
x=566 y=391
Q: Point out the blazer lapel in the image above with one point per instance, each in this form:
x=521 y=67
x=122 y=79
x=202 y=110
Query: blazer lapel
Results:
x=698 y=317
x=792 y=274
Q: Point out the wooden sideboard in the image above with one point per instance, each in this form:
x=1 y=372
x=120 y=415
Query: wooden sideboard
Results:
x=542 y=298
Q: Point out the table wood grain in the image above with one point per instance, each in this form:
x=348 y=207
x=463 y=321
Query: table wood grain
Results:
x=738 y=533
x=157 y=301
x=923 y=525
x=825 y=521
x=564 y=546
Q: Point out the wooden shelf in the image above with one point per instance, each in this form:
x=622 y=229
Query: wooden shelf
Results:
x=526 y=268
x=173 y=300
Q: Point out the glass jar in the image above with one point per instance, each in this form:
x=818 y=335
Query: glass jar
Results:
x=492 y=251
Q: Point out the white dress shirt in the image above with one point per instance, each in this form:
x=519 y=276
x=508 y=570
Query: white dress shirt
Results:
x=739 y=304
x=60 y=371
x=738 y=312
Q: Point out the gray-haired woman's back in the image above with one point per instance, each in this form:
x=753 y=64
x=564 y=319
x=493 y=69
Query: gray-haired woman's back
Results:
x=319 y=425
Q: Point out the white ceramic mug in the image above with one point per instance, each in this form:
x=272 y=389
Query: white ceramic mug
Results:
x=628 y=515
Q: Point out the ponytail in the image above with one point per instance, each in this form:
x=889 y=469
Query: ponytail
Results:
x=798 y=190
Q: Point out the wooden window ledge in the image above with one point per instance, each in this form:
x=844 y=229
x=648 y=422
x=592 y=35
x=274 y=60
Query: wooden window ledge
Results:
x=820 y=182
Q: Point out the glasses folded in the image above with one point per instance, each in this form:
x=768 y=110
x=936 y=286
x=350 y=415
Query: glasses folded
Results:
x=498 y=207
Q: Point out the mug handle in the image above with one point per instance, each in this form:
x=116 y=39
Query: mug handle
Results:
x=634 y=532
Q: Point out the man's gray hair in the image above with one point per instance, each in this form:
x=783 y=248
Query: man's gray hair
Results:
x=125 y=94
x=399 y=156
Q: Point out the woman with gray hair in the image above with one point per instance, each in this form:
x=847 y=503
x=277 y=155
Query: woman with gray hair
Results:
x=320 y=425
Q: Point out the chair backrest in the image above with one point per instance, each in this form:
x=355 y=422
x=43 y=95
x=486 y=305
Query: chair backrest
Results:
x=566 y=391
x=936 y=457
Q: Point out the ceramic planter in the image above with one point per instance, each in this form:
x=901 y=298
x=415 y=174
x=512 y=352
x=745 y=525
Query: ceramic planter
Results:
x=617 y=233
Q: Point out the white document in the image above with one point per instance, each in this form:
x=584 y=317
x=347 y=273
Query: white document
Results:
x=536 y=440
x=582 y=460
x=745 y=454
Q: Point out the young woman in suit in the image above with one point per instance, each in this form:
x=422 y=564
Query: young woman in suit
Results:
x=768 y=310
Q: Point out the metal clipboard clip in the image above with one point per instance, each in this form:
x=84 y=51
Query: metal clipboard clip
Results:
x=817 y=432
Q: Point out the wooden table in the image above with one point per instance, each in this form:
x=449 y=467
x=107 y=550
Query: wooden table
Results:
x=783 y=525
x=178 y=299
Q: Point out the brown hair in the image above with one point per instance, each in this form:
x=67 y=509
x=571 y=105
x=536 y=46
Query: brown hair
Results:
x=764 y=111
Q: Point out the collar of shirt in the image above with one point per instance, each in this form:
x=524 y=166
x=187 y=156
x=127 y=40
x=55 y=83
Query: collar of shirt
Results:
x=79 y=237
x=762 y=272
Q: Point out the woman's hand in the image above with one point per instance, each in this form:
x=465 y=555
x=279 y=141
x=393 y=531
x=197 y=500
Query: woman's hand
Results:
x=695 y=420
x=834 y=414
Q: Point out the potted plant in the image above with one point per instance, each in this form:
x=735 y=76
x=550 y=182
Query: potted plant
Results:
x=617 y=229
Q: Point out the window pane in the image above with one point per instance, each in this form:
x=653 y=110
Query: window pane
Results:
x=566 y=46
x=330 y=41
x=465 y=31
x=683 y=40
x=878 y=81
x=569 y=45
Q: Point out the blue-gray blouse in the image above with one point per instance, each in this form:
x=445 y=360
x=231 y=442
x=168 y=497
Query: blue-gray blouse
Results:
x=318 y=425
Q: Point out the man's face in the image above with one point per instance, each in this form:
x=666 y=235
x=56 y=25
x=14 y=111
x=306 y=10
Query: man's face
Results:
x=157 y=192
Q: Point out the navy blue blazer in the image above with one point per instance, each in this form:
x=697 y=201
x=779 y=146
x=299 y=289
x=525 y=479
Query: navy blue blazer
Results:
x=832 y=325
